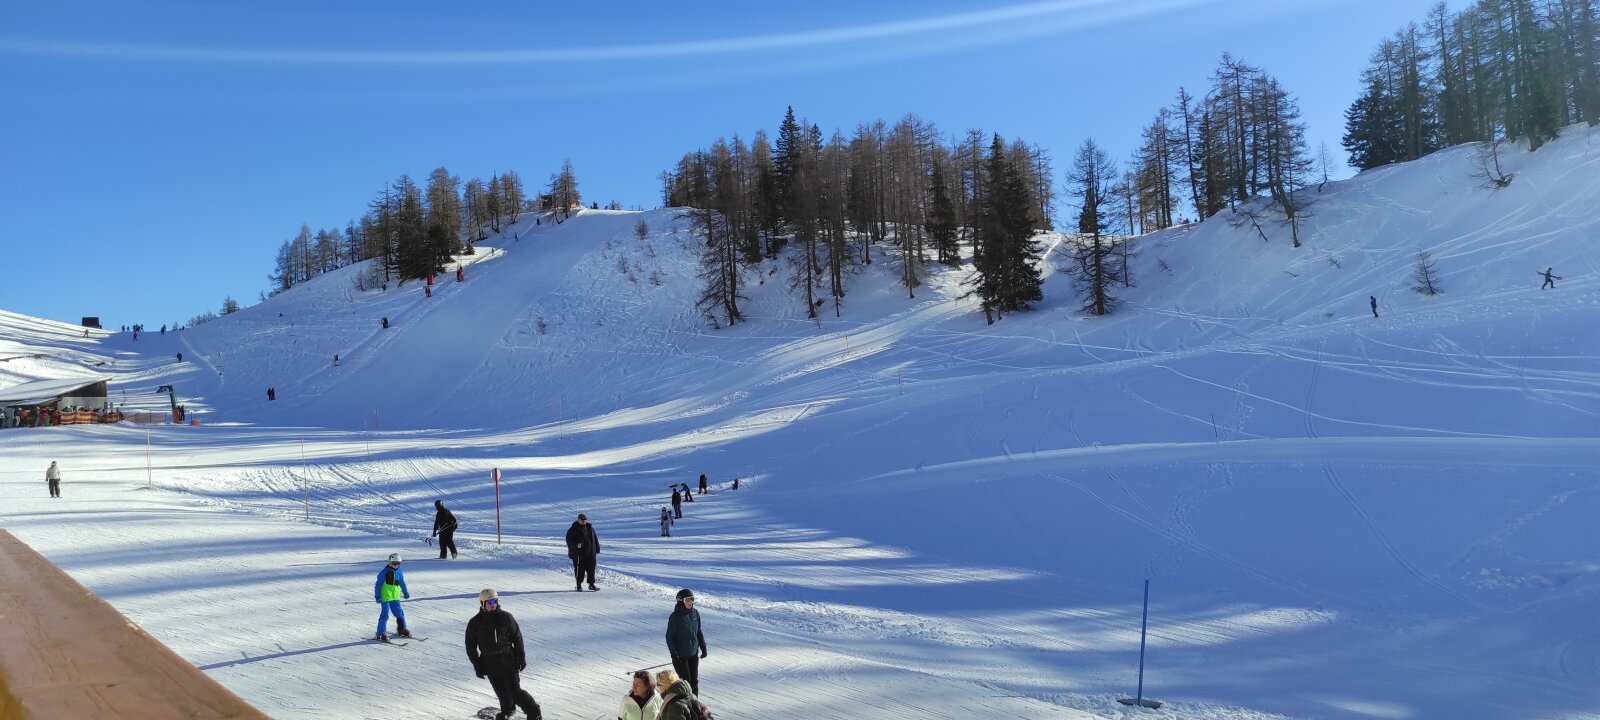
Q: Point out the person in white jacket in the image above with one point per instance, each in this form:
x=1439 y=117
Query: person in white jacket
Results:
x=52 y=477
x=642 y=702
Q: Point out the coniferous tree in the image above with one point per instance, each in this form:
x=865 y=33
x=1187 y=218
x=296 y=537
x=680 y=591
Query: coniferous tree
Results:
x=942 y=220
x=1007 y=278
x=1097 y=267
x=494 y=199
x=562 y=193
x=229 y=305
x=443 y=218
x=1425 y=278
x=511 y=196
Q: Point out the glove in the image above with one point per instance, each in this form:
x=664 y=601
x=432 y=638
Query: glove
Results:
x=408 y=596
x=702 y=651
x=480 y=674
x=522 y=666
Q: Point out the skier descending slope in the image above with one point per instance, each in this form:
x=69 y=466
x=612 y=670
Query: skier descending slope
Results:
x=387 y=592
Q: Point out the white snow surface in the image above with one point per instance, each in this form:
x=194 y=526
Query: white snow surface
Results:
x=1340 y=516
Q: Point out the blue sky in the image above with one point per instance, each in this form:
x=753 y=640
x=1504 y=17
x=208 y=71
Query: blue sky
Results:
x=156 y=153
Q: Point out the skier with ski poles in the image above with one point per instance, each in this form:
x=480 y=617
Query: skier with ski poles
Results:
x=1549 y=280
x=387 y=592
x=444 y=527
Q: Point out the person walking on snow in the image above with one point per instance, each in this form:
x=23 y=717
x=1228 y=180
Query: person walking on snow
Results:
x=444 y=526
x=496 y=651
x=685 y=639
x=677 y=503
x=642 y=702
x=336 y=359
x=666 y=522
x=583 y=545
x=678 y=700
x=1549 y=280
x=687 y=496
x=1374 y=300
x=52 y=477
x=702 y=483
x=387 y=592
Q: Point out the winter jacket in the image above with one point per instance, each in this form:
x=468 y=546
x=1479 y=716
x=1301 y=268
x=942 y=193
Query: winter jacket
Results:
x=683 y=632
x=632 y=710
x=443 y=520
x=677 y=497
x=675 y=702
x=582 y=542
x=493 y=639
x=391 y=585
x=54 y=473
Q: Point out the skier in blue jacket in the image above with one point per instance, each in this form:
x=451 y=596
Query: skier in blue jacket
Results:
x=387 y=592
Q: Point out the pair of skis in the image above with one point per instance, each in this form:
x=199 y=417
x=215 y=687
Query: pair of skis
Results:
x=401 y=642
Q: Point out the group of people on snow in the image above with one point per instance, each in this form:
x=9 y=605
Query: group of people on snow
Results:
x=681 y=495
x=494 y=642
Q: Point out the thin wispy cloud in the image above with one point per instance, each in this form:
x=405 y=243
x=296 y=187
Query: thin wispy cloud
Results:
x=1059 y=13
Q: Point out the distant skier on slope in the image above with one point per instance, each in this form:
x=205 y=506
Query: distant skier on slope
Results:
x=677 y=503
x=52 y=477
x=1374 y=300
x=688 y=496
x=496 y=650
x=444 y=526
x=387 y=592
x=702 y=483
x=666 y=522
x=1549 y=280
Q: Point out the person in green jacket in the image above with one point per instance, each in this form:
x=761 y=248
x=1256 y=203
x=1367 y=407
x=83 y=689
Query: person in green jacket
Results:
x=676 y=696
x=387 y=592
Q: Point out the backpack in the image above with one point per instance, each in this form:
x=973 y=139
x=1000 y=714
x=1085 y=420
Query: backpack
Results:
x=699 y=711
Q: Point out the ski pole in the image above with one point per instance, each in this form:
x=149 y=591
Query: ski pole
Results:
x=652 y=667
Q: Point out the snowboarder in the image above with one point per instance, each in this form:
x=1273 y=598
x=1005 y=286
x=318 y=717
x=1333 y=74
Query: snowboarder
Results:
x=702 y=483
x=272 y=393
x=1374 y=300
x=666 y=522
x=336 y=359
x=685 y=639
x=52 y=477
x=444 y=526
x=388 y=591
x=642 y=702
x=677 y=503
x=1549 y=280
x=495 y=648
x=687 y=495
x=582 y=547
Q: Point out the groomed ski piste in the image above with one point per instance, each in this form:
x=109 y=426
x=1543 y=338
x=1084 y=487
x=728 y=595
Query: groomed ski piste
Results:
x=1341 y=516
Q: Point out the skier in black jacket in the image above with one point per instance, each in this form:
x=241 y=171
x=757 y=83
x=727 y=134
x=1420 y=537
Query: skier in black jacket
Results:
x=444 y=526
x=582 y=547
x=494 y=645
x=677 y=503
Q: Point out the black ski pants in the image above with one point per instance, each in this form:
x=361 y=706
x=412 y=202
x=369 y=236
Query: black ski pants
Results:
x=677 y=511
x=447 y=541
x=688 y=669
x=55 y=488
x=583 y=566
x=507 y=683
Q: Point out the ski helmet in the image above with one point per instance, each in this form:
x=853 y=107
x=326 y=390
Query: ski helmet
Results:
x=685 y=593
x=487 y=595
x=394 y=557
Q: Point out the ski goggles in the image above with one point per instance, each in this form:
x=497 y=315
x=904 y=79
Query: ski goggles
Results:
x=492 y=602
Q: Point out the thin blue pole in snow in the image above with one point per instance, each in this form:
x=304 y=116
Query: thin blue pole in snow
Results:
x=1144 y=622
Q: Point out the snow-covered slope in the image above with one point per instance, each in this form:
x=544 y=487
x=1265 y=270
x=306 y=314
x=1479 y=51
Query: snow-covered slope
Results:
x=1341 y=516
